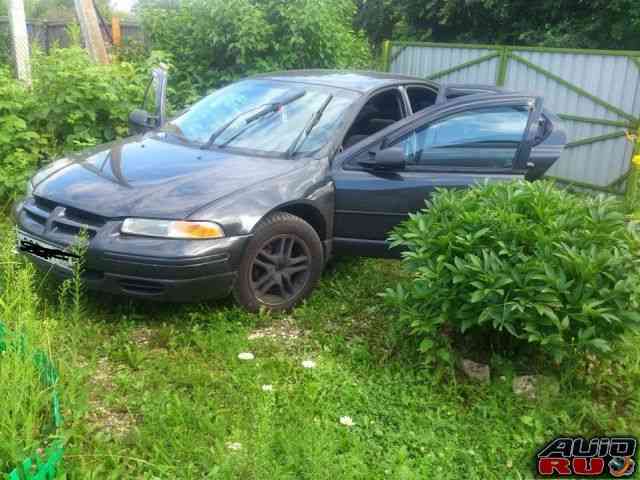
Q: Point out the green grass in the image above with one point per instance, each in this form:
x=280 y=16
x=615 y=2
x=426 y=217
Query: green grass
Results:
x=25 y=414
x=157 y=391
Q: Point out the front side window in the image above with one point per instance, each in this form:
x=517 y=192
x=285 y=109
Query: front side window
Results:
x=240 y=116
x=484 y=137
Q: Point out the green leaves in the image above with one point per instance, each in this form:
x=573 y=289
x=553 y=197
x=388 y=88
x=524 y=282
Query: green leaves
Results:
x=536 y=262
x=596 y=24
x=217 y=41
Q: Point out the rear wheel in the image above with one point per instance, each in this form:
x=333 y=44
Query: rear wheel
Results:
x=281 y=265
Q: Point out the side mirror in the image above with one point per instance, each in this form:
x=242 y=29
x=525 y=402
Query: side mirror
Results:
x=141 y=121
x=155 y=98
x=160 y=77
x=392 y=158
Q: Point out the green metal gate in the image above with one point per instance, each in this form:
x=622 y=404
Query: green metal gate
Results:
x=595 y=92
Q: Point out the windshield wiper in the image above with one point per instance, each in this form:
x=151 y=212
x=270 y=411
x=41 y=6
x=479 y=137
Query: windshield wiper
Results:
x=267 y=108
x=315 y=119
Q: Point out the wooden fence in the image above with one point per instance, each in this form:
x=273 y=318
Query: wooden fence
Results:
x=56 y=32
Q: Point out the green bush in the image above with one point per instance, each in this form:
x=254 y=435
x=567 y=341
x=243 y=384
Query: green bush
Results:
x=216 y=41
x=212 y=41
x=80 y=103
x=20 y=144
x=315 y=34
x=523 y=260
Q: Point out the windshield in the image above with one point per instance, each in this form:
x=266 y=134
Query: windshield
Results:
x=239 y=116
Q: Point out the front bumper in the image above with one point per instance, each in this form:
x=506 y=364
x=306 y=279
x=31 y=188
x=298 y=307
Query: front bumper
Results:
x=142 y=267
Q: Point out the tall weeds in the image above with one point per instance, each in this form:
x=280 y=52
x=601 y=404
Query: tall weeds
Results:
x=25 y=414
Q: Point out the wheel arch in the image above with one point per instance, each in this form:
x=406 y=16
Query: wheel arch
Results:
x=307 y=212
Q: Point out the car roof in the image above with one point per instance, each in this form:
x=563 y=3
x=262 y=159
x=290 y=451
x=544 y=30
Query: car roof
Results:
x=354 y=80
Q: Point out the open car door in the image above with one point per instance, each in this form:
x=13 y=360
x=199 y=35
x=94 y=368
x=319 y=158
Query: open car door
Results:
x=470 y=140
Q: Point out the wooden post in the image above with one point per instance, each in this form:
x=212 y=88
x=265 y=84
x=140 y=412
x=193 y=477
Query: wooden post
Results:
x=116 y=33
x=93 y=40
x=20 y=40
x=631 y=194
x=386 y=56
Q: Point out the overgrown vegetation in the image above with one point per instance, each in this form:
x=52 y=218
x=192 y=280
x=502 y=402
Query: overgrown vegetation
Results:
x=153 y=390
x=528 y=260
x=215 y=41
x=25 y=416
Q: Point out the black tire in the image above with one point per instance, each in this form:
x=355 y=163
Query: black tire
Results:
x=281 y=265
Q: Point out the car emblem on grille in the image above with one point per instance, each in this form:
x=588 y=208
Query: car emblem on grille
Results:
x=56 y=213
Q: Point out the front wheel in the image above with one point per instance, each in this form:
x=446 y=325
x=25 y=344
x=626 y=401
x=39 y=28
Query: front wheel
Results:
x=281 y=265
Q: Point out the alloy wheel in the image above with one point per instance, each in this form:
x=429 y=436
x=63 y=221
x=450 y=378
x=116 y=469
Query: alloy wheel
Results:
x=281 y=269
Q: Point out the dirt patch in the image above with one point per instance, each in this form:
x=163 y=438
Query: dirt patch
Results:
x=285 y=331
x=147 y=339
x=105 y=418
x=142 y=336
x=115 y=423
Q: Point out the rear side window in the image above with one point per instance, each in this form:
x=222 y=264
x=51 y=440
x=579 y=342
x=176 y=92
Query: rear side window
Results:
x=485 y=137
x=421 y=98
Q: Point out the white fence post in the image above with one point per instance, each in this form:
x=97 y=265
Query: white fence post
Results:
x=20 y=40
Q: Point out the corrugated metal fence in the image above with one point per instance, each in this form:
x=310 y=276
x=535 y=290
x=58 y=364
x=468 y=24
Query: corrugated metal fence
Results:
x=55 y=32
x=595 y=92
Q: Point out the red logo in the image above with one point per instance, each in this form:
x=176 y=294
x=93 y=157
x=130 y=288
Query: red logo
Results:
x=604 y=457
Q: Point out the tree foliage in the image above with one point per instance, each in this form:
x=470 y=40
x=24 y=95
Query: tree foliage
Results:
x=611 y=24
x=380 y=19
x=215 y=41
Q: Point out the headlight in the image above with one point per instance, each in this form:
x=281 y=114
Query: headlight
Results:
x=29 y=189
x=171 y=229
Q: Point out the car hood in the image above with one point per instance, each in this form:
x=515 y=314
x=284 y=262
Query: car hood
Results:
x=151 y=177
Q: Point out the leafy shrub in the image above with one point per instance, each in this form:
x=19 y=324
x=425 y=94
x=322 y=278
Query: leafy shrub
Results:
x=525 y=260
x=81 y=103
x=315 y=34
x=216 y=41
x=20 y=145
x=213 y=41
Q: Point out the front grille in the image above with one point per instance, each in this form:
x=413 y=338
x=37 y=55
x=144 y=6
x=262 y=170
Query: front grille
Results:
x=44 y=204
x=59 y=219
x=36 y=216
